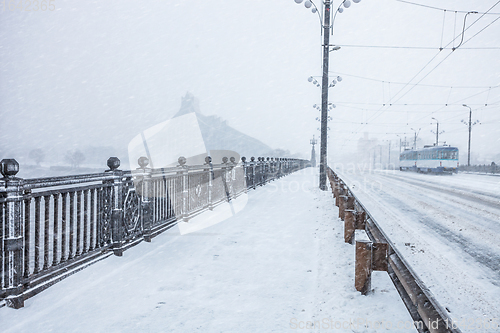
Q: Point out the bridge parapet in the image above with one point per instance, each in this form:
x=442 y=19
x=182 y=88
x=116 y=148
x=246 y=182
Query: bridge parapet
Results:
x=53 y=227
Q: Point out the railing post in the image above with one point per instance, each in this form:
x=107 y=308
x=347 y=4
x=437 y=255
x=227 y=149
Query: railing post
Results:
x=342 y=204
x=12 y=237
x=210 y=170
x=267 y=170
x=232 y=176
x=117 y=225
x=245 y=172
x=225 y=179
x=185 y=188
x=271 y=169
x=146 y=210
x=258 y=172
x=336 y=193
x=360 y=220
x=349 y=227
x=363 y=268
x=252 y=165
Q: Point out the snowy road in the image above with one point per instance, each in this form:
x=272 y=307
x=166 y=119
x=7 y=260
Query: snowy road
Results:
x=280 y=265
x=448 y=229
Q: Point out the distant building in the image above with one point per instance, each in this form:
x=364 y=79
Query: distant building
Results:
x=366 y=149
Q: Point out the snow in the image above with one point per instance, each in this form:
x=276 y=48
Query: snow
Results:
x=279 y=265
x=447 y=228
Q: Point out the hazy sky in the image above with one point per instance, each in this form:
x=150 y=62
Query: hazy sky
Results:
x=98 y=72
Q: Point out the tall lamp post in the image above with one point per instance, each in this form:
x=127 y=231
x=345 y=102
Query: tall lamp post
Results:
x=326 y=26
x=470 y=128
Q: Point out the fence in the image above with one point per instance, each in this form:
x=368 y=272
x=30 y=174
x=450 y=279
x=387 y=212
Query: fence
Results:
x=53 y=227
x=375 y=252
x=482 y=168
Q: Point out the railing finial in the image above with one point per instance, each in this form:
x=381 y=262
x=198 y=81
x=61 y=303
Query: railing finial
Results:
x=182 y=161
x=9 y=167
x=113 y=163
x=143 y=162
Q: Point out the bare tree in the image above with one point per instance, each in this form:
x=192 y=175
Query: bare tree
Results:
x=75 y=158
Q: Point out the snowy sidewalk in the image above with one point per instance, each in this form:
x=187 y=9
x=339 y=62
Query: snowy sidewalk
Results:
x=277 y=266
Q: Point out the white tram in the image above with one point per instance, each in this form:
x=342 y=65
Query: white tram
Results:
x=437 y=159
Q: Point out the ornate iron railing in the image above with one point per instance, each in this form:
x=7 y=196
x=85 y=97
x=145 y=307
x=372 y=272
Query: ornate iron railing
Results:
x=53 y=227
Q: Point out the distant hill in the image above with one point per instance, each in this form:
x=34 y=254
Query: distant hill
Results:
x=218 y=135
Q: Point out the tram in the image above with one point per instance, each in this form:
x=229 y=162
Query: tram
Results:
x=430 y=159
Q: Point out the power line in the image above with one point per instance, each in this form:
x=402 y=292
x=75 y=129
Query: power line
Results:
x=381 y=111
x=415 y=104
x=419 y=47
x=401 y=111
x=439 y=62
x=415 y=84
x=442 y=9
x=459 y=101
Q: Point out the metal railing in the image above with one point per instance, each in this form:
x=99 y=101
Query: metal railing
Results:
x=481 y=168
x=53 y=227
x=378 y=253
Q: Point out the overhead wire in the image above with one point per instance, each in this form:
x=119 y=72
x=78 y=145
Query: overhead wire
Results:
x=414 y=84
x=465 y=29
x=443 y=9
x=418 y=47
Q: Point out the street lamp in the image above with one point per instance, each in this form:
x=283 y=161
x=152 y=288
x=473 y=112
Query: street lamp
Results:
x=437 y=131
x=470 y=128
x=325 y=24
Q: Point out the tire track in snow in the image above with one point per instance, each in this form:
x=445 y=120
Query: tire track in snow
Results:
x=480 y=253
x=462 y=192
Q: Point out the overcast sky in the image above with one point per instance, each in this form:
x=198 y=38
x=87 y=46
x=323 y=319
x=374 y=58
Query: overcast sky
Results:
x=98 y=72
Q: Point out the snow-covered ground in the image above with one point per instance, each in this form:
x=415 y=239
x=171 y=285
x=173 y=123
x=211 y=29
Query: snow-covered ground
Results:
x=448 y=229
x=279 y=265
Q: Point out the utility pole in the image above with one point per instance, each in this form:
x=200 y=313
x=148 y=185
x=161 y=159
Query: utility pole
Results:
x=324 y=97
x=437 y=132
x=389 y=154
x=416 y=135
x=470 y=129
